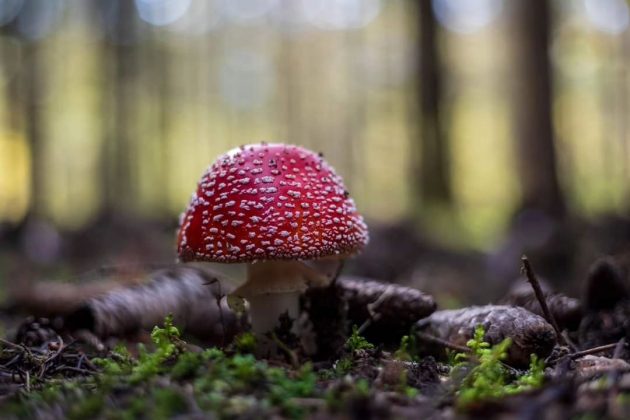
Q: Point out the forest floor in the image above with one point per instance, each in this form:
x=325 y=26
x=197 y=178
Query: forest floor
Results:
x=512 y=360
x=45 y=377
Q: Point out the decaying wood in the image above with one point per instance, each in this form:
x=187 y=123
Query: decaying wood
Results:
x=530 y=333
x=328 y=322
x=55 y=298
x=190 y=294
x=397 y=305
x=605 y=326
x=607 y=305
x=605 y=286
x=566 y=310
x=389 y=309
x=592 y=366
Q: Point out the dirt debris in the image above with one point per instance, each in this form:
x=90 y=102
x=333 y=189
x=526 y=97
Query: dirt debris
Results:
x=371 y=382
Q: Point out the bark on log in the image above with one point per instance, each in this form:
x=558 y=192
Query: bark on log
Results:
x=566 y=310
x=392 y=309
x=190 y=294
x=398 y=306
x=529 y=332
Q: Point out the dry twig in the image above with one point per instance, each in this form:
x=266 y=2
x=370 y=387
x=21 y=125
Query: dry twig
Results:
x=528 y=271
x=447 y=344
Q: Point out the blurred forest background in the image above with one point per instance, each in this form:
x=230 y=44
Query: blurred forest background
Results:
x=489 y=125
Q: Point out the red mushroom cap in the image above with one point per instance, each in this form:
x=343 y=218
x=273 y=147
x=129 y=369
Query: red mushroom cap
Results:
x=270 y=202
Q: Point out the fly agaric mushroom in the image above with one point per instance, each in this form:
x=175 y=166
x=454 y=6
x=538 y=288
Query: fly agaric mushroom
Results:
x=271 y=206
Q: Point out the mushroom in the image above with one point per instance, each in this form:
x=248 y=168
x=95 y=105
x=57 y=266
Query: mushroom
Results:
x=274 y=207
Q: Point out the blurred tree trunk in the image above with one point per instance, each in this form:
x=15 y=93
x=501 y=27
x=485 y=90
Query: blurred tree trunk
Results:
x=622 y=80
x=433 y=164
x=539 y=228
x=290 y=73
x=536 y=155
x=24 y=117
x=24 y=94
x=120 y=79
x=161 y=78
x=33 y=91
x=14 y=95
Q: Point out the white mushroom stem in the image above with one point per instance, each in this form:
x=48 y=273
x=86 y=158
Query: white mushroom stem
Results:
x=272 y=289
x=266 y=310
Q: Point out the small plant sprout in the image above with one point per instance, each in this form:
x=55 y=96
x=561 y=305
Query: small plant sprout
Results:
x=408 y=349
x=354 y=343
x=357 y=342
x=487 y=377
x=274 y=207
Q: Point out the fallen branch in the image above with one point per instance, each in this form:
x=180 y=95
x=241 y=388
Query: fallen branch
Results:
x=389 y=310
x=593 y=350
x=57 y=298
x=397 y=306
x=186 y=292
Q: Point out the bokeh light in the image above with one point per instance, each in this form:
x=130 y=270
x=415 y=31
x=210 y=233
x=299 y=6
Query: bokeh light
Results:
x=466 y=16
x=341 y=14
x=245 y=11
x=201 y=17
x=246 y=79
x=38 y=18
x=9 y=10
x=610 y=16
x=161 y=12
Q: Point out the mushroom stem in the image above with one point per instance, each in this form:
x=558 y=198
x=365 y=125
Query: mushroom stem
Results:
x=266 y=310
x=272 y=289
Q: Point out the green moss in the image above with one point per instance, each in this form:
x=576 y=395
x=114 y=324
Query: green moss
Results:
x=337 y=396
x=245 y=343
x=156 y=382
x=119 y=362
x=167 y=345
x=168 y=403
x=363 y=387
x=283 y=389
x=486 y=377
x=86 y=408
x=343 y=366
x=189 y=364
x=411 y=392
x=408 y=350
x=357 y=342
x=137 y=408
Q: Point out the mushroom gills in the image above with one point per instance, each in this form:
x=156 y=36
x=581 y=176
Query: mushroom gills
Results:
x=279 y=276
